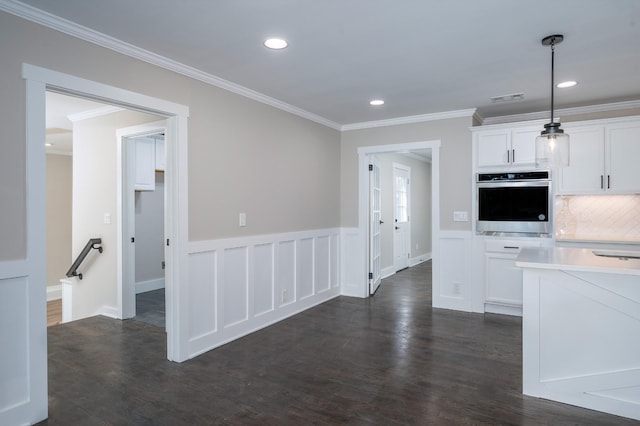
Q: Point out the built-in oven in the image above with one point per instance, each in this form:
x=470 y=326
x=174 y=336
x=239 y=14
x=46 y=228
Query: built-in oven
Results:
x=514 y=202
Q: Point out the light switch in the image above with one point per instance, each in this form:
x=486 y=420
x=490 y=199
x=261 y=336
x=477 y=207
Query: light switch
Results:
x=107 y=218
x=242 y=220
x=461 y=216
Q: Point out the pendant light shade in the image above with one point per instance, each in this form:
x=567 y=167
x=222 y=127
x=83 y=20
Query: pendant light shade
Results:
x=552 y=146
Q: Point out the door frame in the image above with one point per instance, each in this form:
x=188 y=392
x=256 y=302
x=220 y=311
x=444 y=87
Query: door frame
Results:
x=126 y=215
x=407 y=169
x=38 y=82
x=363 y=201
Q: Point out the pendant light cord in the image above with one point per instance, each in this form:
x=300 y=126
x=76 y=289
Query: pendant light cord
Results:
x=552 y=79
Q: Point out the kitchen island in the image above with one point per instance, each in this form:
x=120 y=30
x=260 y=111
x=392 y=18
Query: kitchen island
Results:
x=581 y=327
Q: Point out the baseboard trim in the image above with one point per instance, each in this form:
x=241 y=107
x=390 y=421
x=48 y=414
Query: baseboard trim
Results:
x=54 y=292
x=419 y=259
x=150 y=285
x=387 y=272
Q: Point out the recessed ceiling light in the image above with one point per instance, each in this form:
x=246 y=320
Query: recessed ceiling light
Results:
x=276 y=43
x=566 y=84
x=376 y=102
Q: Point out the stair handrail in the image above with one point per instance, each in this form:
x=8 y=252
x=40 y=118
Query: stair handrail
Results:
x=93 y=243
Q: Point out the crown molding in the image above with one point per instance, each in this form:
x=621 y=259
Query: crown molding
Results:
x=92 y=113
x=410 y=119
x=616 y=106
x=65 y=26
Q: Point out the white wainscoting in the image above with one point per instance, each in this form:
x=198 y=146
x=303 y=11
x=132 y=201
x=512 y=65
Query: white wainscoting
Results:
x=354 y=263
x=240 y=285
x=452 y=287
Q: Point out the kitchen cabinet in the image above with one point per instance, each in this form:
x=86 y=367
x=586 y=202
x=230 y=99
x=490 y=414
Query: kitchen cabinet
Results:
x=507 y=147
x=503 y=279
x=602 y=160
x=160 y=157
x=145 y=163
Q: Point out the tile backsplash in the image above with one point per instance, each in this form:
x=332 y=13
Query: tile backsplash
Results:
x=598 y=217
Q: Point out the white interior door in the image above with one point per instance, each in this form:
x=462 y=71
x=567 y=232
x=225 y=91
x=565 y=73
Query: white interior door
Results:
x=401 y=216
x=375 y=220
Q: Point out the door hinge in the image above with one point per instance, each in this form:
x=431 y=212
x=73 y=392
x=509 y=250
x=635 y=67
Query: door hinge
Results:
x=133 y=240
x=167 y=242
x=370 y=275
x=370 y=167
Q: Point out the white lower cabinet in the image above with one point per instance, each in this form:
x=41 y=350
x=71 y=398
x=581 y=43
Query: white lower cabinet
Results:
x=502 y=278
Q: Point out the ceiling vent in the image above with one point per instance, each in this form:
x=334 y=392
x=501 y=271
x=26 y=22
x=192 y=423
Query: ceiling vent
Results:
x=508 y=98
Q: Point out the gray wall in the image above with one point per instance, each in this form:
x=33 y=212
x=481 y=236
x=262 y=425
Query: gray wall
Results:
x=420 y=207
x=149 y=217
x=280 y=169
x=455 y=165
x=59 y=190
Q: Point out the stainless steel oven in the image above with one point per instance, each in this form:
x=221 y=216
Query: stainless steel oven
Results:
x=514 y=202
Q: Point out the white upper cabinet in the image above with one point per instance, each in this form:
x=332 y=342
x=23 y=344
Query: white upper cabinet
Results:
x=585 y=173
x=507 y=147
x=621 y=155
x=602 y=160
x=161 y=158
x=145 y=159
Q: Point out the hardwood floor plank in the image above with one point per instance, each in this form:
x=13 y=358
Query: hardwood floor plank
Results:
x=54 y=312
x=386 y=360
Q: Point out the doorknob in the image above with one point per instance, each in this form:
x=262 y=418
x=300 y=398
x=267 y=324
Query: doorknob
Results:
x=381 y=222
x=397 y=227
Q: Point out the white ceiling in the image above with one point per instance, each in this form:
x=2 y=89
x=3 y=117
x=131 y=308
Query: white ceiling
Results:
x=420 y=56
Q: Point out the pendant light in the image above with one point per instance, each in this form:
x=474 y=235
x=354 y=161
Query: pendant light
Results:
x=552 y=146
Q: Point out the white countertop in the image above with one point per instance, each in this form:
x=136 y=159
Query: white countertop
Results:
x=599 y=240
x=578 y=259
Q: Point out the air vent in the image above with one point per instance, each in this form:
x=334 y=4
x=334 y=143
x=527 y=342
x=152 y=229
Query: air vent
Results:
x=508 y=98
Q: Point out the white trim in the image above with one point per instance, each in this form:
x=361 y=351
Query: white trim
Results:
x=540 y=115
x=87 y=34
x=108 y=311
x=359 y=264
x=387 y=272
x=240 y=285
x=93 y=113
x=419 y=259
x=150 y=285
x=39 y=80
x=421 y=118
x=54 y=292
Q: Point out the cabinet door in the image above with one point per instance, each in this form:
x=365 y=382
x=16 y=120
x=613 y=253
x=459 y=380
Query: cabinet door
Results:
x=503 y=279
x=145 y=163
x=585 y=173
x=493 y=149
x=523 y=146
x=161 y=159
x=623 y=151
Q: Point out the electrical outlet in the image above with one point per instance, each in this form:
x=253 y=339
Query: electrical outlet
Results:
x=461 y=216
x=242 y=219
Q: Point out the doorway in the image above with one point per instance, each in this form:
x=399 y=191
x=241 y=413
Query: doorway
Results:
x=38 y=81
x=414 y=149
x=401 y=216
x=141 y=285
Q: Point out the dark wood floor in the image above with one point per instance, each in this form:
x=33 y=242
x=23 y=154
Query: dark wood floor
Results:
x=388 y=360
x=150 y=307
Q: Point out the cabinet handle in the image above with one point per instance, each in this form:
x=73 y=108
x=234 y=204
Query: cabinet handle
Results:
x=608 y=181
x=513 y=155
x=508 y=160
x=512 y=247
x=601 y=181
